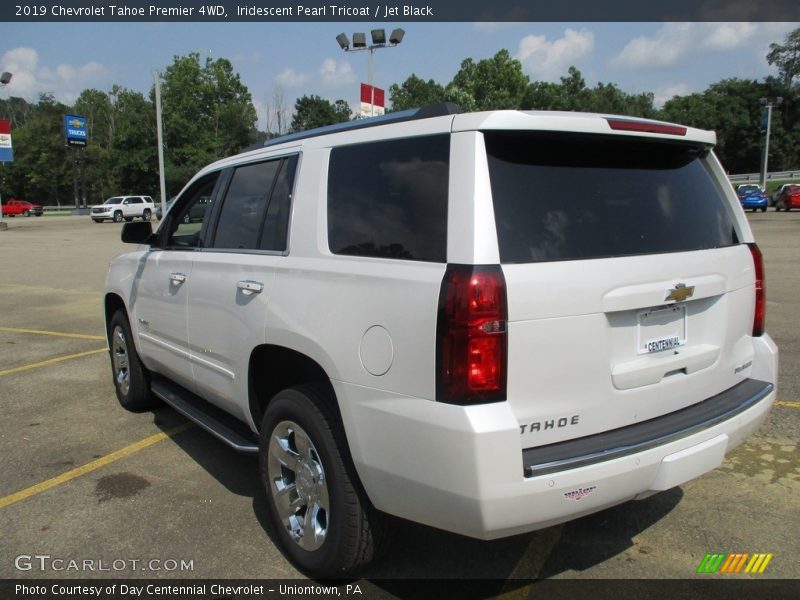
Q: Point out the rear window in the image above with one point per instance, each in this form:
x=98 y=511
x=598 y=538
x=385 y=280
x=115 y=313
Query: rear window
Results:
x=568 y=197
x=389 y=199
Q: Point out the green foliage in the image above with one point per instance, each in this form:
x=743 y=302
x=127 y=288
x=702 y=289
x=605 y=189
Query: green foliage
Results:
x=787 y=58
x=208 y=114
x=311 y=112
x=415 y=92
x=491 y=84
x=41 y=171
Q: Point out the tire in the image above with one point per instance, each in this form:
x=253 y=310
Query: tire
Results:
x=304 y=455
x=131 y=380
x=187 y=218
x=118 y=216
x=763 y=209
x=147 y=215
x=26 y=213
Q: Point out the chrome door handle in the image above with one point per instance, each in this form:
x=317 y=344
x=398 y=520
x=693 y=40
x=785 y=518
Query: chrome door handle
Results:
x=250 y=287
x=177 y=278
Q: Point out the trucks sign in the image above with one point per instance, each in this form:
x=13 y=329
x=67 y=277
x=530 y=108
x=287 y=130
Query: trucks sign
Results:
x=76 y=130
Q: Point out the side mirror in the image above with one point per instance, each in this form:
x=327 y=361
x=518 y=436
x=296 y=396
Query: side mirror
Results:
x=137 y=232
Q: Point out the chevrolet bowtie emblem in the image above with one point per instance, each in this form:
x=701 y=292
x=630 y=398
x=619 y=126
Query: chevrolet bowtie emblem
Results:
x=680 y=292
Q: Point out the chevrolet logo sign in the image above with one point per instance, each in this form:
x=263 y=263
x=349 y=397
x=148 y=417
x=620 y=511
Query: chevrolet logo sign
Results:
x=680 y=292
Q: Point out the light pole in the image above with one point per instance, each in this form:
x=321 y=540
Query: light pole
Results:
x=378 y=42
x=160 y=133
x=765 y=158
x=5 y=79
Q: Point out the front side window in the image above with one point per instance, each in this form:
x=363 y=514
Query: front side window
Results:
x=389 y=199
x=186 y=222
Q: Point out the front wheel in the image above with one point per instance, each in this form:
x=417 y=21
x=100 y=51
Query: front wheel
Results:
x=118 y=216
x=325 y=522
x=130 y=377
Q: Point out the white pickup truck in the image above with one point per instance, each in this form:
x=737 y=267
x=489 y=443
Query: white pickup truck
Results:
x=118 y=208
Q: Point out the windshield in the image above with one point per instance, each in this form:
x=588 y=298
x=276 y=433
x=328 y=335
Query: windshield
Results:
x=115 y=200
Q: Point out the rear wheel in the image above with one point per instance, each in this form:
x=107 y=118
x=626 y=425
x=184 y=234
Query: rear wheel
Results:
x=325 y=522
x=146 y=215
x=130 y=377
x=26 y=213
x=763 y=209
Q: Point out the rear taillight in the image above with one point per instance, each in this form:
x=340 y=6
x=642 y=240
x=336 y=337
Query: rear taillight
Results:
x=471 y=335
x=761 y=299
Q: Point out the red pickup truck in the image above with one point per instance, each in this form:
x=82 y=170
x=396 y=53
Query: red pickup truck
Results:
x=12 y=208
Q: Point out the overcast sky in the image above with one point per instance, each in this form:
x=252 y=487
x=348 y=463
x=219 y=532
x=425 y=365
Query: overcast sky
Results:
x=304 y=58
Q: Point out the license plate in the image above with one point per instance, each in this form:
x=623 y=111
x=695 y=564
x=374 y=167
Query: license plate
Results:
x=661 y=329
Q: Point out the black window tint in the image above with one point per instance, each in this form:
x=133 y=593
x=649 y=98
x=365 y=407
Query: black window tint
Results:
x=186 y=221
x=244 y=206
x=561 y=197
x=389 y=199
x=277 y=221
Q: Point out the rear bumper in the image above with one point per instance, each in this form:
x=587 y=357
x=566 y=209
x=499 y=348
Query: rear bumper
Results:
x=462 y=468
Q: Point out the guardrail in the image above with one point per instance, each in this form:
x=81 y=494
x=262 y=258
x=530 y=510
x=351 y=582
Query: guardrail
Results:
x=778 y=175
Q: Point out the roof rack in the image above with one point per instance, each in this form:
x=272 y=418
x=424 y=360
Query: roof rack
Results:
x=413 y=114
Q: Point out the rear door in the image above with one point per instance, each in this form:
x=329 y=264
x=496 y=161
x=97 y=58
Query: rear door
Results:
x=630 y=294
x=232 y=279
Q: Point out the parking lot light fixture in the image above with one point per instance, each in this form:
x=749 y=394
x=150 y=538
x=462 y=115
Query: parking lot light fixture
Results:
x=378 y=42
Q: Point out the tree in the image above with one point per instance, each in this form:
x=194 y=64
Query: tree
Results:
x=573 y=94
x=415 y=92
x=493 y=83
x=208 y=114
x=313 y=111
x=277 y=119
x=733 y=109
x=787 y=57
x=41 y=171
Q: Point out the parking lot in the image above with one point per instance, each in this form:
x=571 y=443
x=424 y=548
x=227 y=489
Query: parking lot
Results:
x=85 y=480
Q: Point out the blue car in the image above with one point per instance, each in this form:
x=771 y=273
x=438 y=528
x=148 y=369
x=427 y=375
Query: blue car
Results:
x=752 y=197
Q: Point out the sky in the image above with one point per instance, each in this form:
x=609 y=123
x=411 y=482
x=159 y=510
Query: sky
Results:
x=299 y=59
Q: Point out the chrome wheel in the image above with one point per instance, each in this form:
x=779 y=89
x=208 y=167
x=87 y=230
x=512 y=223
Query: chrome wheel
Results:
x=120 y=360
x=298 y=485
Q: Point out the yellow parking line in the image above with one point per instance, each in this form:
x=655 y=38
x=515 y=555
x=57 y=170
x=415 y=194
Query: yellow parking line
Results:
x=787 y=403
x=51 y=361
x=77 y=336
x=91 y=466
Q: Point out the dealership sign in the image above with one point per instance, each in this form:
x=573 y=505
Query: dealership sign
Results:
x=6 y=150
x=76 y=132
x=372 y=101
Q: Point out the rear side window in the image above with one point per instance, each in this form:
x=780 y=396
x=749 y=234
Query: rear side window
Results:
x=389 y=199
x=566 y=197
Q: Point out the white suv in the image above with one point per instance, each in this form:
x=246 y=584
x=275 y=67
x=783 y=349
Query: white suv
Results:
x=118 y=208
x=488 y=323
